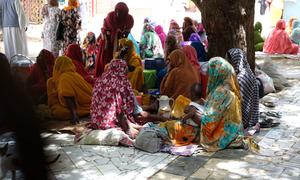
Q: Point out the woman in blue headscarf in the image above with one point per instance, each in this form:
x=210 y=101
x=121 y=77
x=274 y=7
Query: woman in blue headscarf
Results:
x=295 y=36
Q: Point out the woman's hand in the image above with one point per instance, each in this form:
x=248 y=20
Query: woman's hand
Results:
x=70 y=101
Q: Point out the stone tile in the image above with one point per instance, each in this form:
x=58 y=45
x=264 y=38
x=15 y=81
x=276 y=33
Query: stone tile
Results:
x=220 y=174
x=185 y=166
x=296 y=160
x=64 y=163
x=266 y=142
x=91 y=174
x=101 y=161
x=166 y=176
x=127 y=151
x=201 y=173
x=109 y=169
x=291 y=173
x=274 y=134
x=130 y=175
x=231 y=154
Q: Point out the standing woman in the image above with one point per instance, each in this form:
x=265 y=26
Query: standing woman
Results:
x=51 y=17
x=116 y=25
x=71 y=20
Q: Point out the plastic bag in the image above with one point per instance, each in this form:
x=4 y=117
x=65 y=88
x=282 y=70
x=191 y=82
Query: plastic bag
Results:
x=266 y=80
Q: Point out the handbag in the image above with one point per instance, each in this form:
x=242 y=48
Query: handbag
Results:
x=60 y=31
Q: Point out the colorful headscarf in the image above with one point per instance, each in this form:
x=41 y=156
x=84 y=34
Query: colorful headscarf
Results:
x=195 y=37
x=281 y=24
x=248 y=86
x=90 y=39
x=180 y=77
x=45 y=61
x=296 y=24
x=220 y=73
x=162 y=35
x=112 y=96
x=295 y=35
x=62 y=65
x=121 y=11
x=74 y=52
x=191 y=54
x=72 y=4
x=289 y=29
x=258 y=27
x=148 y=27
x=173 y=25
x=124 y=42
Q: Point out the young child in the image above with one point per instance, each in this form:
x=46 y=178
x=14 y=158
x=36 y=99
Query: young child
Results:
x=196 y=107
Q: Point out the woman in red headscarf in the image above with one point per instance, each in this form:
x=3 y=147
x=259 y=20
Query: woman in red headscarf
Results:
x=74 y=52
x=39 y=74
x=279 y=42
x=116 y=25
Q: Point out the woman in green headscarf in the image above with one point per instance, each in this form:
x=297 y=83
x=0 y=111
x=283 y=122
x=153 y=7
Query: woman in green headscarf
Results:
x=150 y=44
x=258 y=40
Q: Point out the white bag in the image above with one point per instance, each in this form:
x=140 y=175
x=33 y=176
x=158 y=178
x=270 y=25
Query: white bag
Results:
x=266 y=80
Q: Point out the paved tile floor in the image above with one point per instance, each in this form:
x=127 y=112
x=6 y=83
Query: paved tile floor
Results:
x=279 y=157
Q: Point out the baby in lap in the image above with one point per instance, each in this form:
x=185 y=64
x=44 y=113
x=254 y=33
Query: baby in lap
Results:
x=196 y=107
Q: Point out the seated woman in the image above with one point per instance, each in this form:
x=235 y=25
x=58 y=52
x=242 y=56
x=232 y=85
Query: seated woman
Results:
x=180 y=77
x=134 y=62
x=90 y=50
x=248 y=88
x=290 y=28
x=150 y=45
x=191 y=54
x=295 y=36
x=37 y=80
x=279 y=42
x=113 y=101
x=196 y=42
x=175 y=30
x=135 y=43
x=69 y=95
x=221 y=121
x=74 y=52
x=258 y=40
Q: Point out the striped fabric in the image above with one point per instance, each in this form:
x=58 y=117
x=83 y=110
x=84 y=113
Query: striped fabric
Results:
x=248 y=86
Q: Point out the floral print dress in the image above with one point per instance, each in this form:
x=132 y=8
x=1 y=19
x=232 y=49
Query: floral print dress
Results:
x=112 y=97
x=49 y=31
x=72 y=24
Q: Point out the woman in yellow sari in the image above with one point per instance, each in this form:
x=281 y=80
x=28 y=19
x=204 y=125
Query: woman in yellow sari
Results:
x=134 y=62
x=69 y=95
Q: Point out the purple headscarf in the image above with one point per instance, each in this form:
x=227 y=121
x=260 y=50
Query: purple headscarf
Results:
x=195 y=37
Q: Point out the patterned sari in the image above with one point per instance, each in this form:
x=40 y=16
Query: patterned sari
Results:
x=221 y=122
x=248 y=87
x=112 y=96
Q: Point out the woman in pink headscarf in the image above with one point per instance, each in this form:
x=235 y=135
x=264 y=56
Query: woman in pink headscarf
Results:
x=279 y=42
x=162 y=35
x=191 y=54
x=175 y=30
